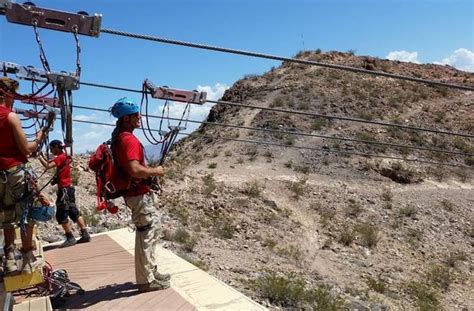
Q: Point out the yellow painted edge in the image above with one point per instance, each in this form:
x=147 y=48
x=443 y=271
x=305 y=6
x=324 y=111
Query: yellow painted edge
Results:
x=202 y=290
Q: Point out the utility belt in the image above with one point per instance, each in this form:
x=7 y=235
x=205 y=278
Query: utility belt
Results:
x=12 y=170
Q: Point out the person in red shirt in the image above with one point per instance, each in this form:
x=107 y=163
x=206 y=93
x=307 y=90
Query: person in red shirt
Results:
x=14 y=150
x=66 y=199
x=129 y=156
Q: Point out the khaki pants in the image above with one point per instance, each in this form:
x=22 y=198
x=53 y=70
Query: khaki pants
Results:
x=144 y=213
x=12 y=188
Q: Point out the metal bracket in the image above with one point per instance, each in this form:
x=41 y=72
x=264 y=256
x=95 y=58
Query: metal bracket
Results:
x=66 y=80
x=52 y=19
x=4 y=5
x=45 y=101
x=176 y=128
x=32 y=114
x=164 y=92
x=24 y=72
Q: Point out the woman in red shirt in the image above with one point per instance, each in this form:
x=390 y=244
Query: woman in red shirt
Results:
x=14 y=150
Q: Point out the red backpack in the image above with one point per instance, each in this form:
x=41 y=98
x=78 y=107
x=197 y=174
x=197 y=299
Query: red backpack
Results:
x=111 y=181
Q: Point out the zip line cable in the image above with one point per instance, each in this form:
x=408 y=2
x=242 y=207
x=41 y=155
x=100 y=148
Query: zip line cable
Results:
x=296 y=133
x=312 y=114
x=298 y=147
x=326 y=116
x=280 y=58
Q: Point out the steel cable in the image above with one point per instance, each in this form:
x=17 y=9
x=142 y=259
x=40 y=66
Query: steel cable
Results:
x=298 y=147
x=312 y=114
x=280 y=58
x=296 y=133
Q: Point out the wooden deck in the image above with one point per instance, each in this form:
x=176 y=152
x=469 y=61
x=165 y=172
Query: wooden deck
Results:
x=106 y=271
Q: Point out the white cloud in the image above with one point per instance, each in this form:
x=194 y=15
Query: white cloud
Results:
x=213 y=92
x=197 y=113
x=83 y=117
x=462 y=59
x=88 y=136
x=404 y=56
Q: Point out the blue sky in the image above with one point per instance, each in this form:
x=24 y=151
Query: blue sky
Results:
x=432 y=31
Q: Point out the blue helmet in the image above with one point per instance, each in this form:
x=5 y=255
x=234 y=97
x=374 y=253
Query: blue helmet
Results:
x=123 y=107
x=42 y=213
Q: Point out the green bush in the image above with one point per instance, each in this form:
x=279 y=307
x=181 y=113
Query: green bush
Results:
x=298 y=187
x=253 y=189
x=286 y=289
x=369 y=234
x=223 y=227
x=209 y=184
x=289 y=290
x=426 y=298
x=379 y=285
x=447 y=205
x=318 y=124
x=354 y=208
x=440 y=276
x=347 y=236
x=408 y=211
x=320 y=298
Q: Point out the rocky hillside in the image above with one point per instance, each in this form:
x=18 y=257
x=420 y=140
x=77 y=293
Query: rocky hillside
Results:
x=326 y=230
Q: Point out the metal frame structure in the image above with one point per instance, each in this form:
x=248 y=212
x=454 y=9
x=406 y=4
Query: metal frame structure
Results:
x=164 y=92
x=29 y=14
x=66 y=80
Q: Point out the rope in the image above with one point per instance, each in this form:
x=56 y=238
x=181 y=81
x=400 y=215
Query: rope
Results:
x=280 y=58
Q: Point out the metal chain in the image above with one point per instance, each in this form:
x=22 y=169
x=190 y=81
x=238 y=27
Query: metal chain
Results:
x=43 y=59
x=78 y=51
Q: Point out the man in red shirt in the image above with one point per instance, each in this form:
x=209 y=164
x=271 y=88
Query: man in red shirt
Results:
x=14 y=150
x=129 y=156
x=66 y=199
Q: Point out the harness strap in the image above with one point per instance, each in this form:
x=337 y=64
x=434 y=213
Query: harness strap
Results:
x=144 y=228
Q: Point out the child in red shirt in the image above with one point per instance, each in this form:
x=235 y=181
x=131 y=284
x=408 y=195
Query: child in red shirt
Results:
x=66 y=199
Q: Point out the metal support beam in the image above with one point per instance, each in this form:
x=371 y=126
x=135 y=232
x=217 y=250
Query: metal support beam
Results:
x=67 y=80
x=44 y=101
x=33 y=114
x=28 y=14
x=164 y=92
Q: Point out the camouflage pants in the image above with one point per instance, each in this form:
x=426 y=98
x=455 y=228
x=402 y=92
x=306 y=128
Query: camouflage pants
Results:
x=12 y=189
x=147 y=235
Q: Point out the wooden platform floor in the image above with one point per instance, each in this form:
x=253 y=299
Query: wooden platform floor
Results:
x=106 y=272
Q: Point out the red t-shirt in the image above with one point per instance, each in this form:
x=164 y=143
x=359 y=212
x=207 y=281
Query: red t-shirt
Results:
x=128 y=148
x=10 y=154
x=63 y=166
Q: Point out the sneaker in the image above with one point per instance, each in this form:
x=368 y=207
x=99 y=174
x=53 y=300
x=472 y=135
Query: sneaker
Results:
x=31 y=262
x=70 y=241
x=155 y=285
x=161 y=276
x=10 y=261
x=85 y=237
